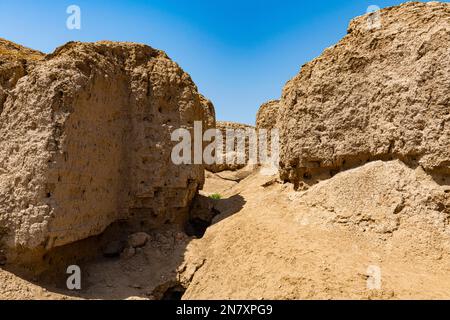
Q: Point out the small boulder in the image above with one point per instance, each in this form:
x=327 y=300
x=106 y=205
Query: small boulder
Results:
x=138 y=240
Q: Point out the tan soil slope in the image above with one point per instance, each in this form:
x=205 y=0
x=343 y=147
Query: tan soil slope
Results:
x=321 y=244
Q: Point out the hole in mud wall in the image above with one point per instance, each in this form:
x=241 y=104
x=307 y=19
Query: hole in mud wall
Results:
x=196 y=227
x=201 y=216
x=174 y=293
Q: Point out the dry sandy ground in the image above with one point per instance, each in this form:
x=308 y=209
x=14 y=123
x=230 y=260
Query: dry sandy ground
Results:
x=256 y=248
x=269 y=250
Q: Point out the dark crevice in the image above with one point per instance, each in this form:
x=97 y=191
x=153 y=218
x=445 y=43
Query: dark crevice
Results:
x=170 y=290
x=206 y=211
x=305 y=177
x=174 y=293
x=196 y=227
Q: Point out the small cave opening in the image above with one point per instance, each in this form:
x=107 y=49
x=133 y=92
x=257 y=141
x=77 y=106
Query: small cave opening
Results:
x=174 y=293
x=196 y=227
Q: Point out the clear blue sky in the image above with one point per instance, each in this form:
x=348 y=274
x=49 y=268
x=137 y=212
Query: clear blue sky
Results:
x=239 y=53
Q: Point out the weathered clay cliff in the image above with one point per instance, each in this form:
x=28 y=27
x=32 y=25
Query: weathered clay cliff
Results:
x=86 y=141
x=267 y=115
x=15 y=60
x=271 y=242
x=229 y=158
x=380 y=93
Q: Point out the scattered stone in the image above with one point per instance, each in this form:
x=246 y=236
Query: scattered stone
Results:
x=138 y=240
x=128 y=253
x=181 y=236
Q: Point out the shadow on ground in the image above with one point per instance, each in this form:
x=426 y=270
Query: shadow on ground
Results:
x=147 y=272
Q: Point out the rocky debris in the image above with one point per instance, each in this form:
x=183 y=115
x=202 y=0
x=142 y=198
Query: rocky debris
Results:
x=137 y=240
x=267 y=115
x=379 y=94
x=240 y=132
x=86 y=141
x=149 y=273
